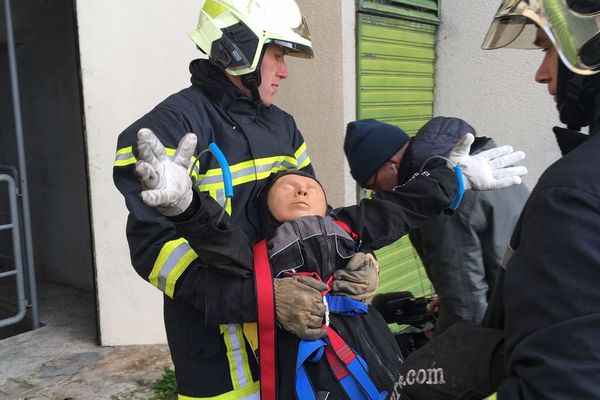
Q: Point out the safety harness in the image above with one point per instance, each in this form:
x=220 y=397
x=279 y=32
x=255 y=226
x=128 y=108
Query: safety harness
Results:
x=347 y=366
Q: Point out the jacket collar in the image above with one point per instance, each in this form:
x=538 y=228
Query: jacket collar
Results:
x=219 y=89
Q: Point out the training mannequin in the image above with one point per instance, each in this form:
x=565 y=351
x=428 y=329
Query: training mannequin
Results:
x=303 y=238
x=225 y=250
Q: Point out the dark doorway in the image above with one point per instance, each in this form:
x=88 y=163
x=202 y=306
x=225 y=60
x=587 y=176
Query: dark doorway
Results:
x=45 y=33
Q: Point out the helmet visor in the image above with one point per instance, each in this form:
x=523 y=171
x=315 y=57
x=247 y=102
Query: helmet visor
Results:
x=296 y=48
x=517 y=32
x=574 y=35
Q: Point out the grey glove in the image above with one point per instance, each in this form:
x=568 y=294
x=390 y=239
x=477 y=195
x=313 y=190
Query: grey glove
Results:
x=167 y=183
x=299 y=306
x=360 y=278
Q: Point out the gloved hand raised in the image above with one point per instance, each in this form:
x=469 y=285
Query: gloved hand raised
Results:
x=299 y=306
x=360 y=278
x=488 y=169
x=168 y=187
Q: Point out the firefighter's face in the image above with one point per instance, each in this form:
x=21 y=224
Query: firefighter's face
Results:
x=294 y=196
x=272 y=70
x=547 y=72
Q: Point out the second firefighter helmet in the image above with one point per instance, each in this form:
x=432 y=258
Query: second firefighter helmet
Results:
x=573 y=26
x=234 y=33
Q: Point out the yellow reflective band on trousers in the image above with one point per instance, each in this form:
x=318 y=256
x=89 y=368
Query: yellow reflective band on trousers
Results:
x=173 y=259
x=237 y=356
x=250 y=392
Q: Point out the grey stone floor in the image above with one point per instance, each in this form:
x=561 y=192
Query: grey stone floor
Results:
x=62 y=360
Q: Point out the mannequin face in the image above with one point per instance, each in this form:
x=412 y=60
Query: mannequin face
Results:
x=294 y=196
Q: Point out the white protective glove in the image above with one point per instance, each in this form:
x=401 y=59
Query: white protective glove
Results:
x=488 y=169
x=168 y=187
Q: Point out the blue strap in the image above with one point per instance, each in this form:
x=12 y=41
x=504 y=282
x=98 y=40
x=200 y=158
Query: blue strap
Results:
x=461 y=188
x=345 y=305
x=308 y=350
x=358 y=385
x=225 y=171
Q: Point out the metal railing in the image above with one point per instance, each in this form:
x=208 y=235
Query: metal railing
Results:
x=21 y=221
x=18 y=271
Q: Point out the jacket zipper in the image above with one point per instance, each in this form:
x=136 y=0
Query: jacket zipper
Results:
x=330 y=256
x=374 y=353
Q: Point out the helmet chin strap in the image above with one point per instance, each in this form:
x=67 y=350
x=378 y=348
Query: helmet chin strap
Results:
x=570 y=97
x=252 y=82
x=253 y=79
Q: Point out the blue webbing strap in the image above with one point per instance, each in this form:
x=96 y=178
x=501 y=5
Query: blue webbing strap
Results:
x=308 y=350
x=345 y=305
x=356 y=383
x=347 y=366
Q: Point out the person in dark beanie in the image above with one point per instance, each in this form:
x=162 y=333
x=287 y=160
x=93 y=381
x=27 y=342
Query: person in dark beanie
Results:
x=461 y=252
x=369 y=144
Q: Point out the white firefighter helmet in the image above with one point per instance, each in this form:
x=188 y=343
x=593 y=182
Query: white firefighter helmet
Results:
x=234 y=33
x=572 y=25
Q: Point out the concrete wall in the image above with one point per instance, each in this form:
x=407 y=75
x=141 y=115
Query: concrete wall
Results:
x=132 y=57
x=321 y=93
x=493 y=90
x=133 y=54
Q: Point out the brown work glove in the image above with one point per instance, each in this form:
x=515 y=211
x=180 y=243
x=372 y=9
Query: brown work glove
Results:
x=299 y=306
x=360 y=278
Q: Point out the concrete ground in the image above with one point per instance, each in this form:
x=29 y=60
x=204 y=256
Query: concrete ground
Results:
x=62 y=361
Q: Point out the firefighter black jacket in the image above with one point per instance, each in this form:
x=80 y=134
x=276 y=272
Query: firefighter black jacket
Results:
x=210 y=356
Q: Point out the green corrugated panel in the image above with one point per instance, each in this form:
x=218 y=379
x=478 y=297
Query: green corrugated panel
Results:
x=426 y=4
x=419 y=10
x=402 y=270
x=395 y=84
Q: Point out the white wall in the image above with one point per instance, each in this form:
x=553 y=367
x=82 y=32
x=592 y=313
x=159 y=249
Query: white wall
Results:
x=131 y=58
x=493 y=90
x=133 y=54
x=321 y=93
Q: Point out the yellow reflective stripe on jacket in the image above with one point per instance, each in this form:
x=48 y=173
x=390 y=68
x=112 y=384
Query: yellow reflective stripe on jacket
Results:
x=250 y=392
x=246 y=171
x=239 y=368
x=173 y=259
x=124 y=157
x=302 y=158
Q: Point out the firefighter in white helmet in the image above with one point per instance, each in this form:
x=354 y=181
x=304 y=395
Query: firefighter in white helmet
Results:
x=229 y=103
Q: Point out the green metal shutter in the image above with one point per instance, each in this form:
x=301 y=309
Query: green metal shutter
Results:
x=395 y=57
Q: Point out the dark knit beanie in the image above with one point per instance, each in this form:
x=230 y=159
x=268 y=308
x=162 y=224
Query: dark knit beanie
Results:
x=369 y=144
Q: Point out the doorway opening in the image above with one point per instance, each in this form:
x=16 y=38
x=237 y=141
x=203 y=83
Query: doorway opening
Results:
x=44 y=39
